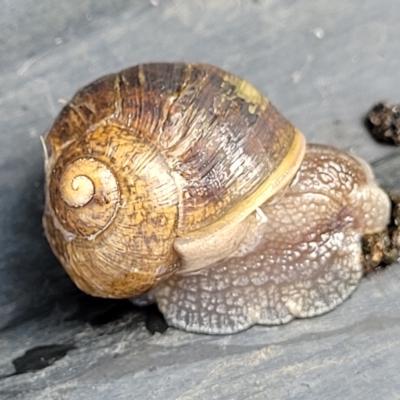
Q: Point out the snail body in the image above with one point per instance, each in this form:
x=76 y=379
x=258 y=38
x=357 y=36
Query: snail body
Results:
x=163 y=177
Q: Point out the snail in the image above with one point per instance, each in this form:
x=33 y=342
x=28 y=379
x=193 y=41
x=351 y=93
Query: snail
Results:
x=182 y=184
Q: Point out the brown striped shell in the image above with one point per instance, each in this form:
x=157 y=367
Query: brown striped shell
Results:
x=155 y=169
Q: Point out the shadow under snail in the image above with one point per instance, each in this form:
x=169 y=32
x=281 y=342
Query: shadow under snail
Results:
x=183 y=182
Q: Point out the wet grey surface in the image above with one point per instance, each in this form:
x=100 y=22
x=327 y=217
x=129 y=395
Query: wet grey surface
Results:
x=323 y=64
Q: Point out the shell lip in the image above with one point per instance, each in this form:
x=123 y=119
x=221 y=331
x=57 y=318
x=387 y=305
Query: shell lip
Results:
x=280 y=178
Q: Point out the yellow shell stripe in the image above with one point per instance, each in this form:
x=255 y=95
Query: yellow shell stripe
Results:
x=244 y=90
x=278 y=179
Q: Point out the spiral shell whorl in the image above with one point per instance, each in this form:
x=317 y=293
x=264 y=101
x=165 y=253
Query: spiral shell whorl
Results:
x=114 y=205
x=85 y=196
x=76 y=190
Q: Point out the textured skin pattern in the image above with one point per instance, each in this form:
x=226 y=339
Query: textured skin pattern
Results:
x=306 y=263
x=164 y=150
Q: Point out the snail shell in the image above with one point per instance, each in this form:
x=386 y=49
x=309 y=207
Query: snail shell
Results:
x=183 y=182
x=147 y=166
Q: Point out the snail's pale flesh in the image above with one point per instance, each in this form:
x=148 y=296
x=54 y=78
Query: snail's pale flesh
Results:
x=307 y=261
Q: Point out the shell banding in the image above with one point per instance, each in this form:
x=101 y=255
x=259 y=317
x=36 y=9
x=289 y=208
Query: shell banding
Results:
x=155 y=168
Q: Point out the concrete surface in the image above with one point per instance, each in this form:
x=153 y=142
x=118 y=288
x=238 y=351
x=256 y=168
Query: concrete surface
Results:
x=323 y=64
